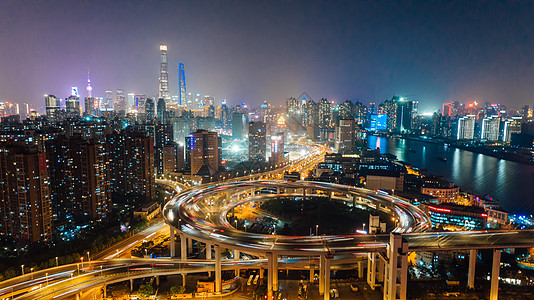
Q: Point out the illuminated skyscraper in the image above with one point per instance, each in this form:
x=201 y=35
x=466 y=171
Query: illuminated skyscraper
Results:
x=72 y=104
x=257 y=141
x=490 y=128
x=466 y=128
x=120 y=104
x=204 y=151
x=108 y=103
x=163 y=75
x=345 y=135
x=52 y=107
x=89 y=87
x=181 y=84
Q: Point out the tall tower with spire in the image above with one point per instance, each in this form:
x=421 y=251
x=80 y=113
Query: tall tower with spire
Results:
x=89 y=87
x=181 y=84
x=163 y=75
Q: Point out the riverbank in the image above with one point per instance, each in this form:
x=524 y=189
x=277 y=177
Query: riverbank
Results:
x=501 y=152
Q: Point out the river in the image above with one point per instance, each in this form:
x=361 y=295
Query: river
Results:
x=509 y=182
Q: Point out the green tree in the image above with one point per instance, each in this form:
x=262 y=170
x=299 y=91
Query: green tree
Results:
x=177 y=289
x=145 y=290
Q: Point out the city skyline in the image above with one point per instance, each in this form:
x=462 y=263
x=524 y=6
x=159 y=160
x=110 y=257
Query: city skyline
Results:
x=246 y=52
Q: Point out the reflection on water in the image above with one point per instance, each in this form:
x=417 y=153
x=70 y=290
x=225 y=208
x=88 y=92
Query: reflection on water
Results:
x=509 y=182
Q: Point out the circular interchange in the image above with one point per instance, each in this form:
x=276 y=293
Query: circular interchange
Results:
x=200 y=213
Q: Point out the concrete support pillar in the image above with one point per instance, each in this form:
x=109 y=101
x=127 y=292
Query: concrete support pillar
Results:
x=269 y=275
x=495 y=270
x=275 y=272
x=237 y=255
x=381 y=269
x=172 y=246
x=157 y=280
x=218 y=275
x=189 y=245
x=183 y=279
x=371 y=270
x=105 y=291
x=227 y=198
x=327 y=278
x=312 y=272
x=303 y=193
x=322 y=262
x=277 y=190
x=471 y=273
x=208 y=251
x=131 y=285
x=360 y=269
x=183 y=246
x=78 y=296
x=396 y=278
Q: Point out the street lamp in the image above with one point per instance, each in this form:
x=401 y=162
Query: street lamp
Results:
x=46 y=279
x=317 y=229
x=82 y=261
x=100 y=271
x=57 y=264
x=363 y=226
x=88 y=258
x=22 y=267
x=31 y=270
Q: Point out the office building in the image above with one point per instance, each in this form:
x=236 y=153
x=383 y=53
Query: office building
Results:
x=466 y=128
x=204 y=147
x=257 y=141
x=182 y=91
x=25 y=202
x=490 y=129
x=163 y=74
x=453 y=216
x=120 y=105
x=52 y=107
x=238 y=125
x=345 y=136
x=161 y=111
x=277 y=149
x=72 y=104
x=150 y=111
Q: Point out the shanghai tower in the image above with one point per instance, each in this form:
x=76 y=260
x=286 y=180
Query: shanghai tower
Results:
x=181 y=83
x=163 y=76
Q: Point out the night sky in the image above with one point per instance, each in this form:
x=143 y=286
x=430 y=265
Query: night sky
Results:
x=265 y=50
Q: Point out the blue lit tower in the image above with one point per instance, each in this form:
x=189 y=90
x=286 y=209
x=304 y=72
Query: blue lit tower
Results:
x=163 y=76
x=181 y=83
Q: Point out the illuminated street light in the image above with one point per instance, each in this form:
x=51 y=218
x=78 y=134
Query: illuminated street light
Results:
x=22 y=267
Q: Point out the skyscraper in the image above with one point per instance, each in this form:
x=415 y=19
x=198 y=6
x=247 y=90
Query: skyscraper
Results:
x=150 y=110
x=466 y=128
x=161 y=107
x=490 y=128
x=108 y=102
x=72 y=104
x=204 y=151
x=238 y=124
x=182 y=91
x=163 y=75
x=345 y=136
x=120 y=104
x=52 y=107
x=257 y=141
x=89 y=87
x=277 y=149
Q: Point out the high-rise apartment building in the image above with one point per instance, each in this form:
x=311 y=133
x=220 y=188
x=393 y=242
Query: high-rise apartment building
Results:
x=204 y=151
x=52 y=107
x=257 y=141
x=132 y=164
x=150 y=111
x=163 y=74
x=25 y=202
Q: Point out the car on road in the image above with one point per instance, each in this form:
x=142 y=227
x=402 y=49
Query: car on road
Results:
x=334 y=293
